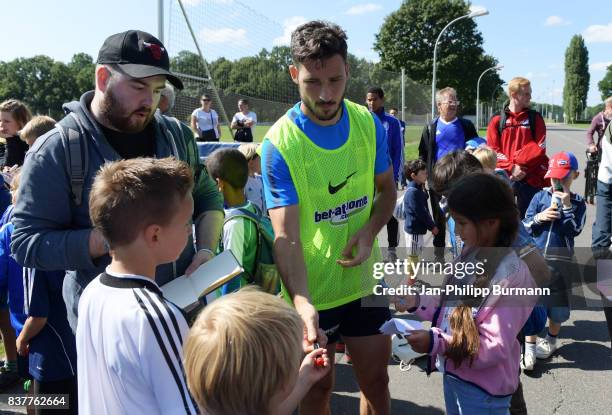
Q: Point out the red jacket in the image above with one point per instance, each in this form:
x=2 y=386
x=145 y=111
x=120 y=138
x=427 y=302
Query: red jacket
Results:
x=517 y=147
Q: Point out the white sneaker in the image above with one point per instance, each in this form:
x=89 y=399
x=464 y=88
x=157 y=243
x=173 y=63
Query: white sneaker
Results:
x=528 y=361
x=544 y=348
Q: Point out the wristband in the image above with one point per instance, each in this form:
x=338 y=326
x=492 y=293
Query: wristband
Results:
x=206 y=250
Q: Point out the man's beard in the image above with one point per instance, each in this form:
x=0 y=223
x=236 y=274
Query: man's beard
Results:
x=319 y=115
x=115 y=114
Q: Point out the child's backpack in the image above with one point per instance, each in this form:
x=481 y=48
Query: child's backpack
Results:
x=265 y=274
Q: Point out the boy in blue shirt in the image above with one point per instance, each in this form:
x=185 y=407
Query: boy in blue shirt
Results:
x=47 y=339
x=417 y=220
x=555 y=216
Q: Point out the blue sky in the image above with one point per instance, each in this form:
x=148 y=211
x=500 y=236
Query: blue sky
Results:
x=528 y=37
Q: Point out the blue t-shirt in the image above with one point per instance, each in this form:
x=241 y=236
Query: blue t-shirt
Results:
x=53 y=350
x=449 y=137
x=279 y=189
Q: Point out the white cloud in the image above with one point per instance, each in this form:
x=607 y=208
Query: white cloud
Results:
x=363 y=9
x=289 y=26
x=600 y=66
x=598 y=33
x=225 y=35
x=556 y=21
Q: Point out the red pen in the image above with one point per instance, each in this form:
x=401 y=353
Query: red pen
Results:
x=319 y=361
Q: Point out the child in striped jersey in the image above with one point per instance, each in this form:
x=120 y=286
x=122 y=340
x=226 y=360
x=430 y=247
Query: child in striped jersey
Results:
x=129 y=338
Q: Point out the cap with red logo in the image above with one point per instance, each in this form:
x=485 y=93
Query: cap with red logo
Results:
x=139 y=55
x=560 y=165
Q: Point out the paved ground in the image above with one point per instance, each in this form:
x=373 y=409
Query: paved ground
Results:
x=576 y=380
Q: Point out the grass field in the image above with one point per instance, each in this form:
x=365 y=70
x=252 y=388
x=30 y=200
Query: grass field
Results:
x=413 y=135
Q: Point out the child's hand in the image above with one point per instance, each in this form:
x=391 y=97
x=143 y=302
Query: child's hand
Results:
x=403 y=303
x=565 y=198
x=23 y=348
x=548 y=215
x=419 y=341
x=435 y=231
x=314 y=366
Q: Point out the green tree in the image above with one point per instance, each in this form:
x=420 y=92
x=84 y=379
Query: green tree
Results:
x=605 y=85
x=83 y=69
x=407 y=37
x=41 y=82
x=576 y=78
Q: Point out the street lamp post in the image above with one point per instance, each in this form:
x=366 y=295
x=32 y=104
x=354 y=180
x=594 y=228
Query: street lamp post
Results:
x=496 y=88
x=472 y=14
x=497 y=68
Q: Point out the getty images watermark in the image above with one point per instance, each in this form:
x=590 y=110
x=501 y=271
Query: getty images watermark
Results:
x=457 y=270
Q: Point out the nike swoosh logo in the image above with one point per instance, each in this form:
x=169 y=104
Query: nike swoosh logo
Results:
x=335 y=189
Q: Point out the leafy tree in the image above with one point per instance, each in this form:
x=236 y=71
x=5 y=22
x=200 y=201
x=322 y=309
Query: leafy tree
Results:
x=576 y=78
x=83 y=70
x=605 y=85
x=41 y=82
x=407 y=37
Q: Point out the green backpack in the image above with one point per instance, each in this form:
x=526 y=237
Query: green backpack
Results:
x=265 y=274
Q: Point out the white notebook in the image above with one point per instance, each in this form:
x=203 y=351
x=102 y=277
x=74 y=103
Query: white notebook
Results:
x=184 y=291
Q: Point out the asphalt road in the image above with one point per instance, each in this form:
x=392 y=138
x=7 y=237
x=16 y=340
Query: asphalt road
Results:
x=576 y=379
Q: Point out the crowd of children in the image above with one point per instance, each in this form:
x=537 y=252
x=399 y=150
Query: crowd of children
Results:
x=143 y=209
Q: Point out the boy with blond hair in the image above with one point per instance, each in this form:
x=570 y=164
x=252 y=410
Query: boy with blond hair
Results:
x=488 y=158
x=36 y=127
x=129 y=338
x=265 y=334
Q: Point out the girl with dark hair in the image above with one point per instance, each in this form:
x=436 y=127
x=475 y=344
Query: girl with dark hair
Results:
x=476 y=319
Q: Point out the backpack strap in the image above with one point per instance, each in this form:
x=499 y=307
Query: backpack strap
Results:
x=77 y=160
x=531 y=116
x=253 y=218
x=166 y=127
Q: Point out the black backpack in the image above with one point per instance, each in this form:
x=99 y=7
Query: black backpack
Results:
x=531 y=116
x=77 y=158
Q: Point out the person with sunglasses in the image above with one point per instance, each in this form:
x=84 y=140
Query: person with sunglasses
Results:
x=444 y=134
x=205 y=121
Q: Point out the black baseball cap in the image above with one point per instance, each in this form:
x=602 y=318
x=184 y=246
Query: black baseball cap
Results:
x=138 y=54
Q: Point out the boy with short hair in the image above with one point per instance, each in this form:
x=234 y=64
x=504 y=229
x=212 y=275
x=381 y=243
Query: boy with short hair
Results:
x=229 y=168
x=129 y=338
x=417 y=219
x=266 y=338
x=554 y=218
x=36 y=127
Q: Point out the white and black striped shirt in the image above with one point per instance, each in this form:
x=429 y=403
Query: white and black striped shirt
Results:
x=130 y=349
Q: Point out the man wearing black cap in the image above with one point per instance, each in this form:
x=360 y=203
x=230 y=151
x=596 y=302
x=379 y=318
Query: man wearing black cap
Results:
x=116 y=121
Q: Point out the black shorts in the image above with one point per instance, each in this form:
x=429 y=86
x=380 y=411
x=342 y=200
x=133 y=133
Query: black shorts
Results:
x=354 y=319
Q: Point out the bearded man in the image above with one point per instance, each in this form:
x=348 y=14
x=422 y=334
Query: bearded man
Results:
x=115 y=121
